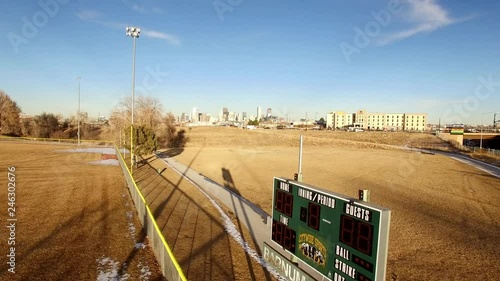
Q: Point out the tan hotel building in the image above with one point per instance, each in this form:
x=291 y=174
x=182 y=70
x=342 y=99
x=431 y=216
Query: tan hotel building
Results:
x=377 y=121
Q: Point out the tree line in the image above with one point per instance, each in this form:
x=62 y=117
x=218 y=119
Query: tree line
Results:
x=152 y=128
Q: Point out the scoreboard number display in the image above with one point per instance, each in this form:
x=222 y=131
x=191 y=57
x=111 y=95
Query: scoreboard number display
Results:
x=340 y=237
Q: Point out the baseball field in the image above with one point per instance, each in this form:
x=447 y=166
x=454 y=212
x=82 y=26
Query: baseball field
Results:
x=69 y=217
x=444 y=213
x=75 y=220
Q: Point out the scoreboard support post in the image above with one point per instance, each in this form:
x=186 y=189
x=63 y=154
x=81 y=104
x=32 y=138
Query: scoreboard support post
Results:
x=298 y=175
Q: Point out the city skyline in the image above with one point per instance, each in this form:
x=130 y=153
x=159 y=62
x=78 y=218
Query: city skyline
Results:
x=437 y=57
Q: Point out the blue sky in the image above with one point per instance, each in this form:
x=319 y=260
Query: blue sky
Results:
x=440 y=57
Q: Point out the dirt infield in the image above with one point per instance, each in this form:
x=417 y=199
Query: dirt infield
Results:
x=444 y=213
x=75 y=221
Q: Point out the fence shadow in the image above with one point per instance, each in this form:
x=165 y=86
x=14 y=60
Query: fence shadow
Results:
x=171 y=152
x=231 y=186
x=197 y=236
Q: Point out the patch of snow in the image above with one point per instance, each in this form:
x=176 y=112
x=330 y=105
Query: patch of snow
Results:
x=110 y=270
x=102 y=150
x=139 y=245
x=131 y=229
x=145 y=272
x=108 y=162
x=130 y=215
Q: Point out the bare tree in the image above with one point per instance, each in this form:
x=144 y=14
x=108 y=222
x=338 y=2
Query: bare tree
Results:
x=27 y=127
x=10 y=112
x=147 y=112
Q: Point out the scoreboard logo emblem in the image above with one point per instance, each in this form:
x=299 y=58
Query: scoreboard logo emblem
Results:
x=312 y=248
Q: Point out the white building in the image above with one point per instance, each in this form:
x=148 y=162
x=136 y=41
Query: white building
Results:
x=377 y=120
x=361 y=119
x=342 y=119
x=415 y=122
x=394 y=121
x=259 y=112
x=329 y=120
x=195 y=114
x=339 y=119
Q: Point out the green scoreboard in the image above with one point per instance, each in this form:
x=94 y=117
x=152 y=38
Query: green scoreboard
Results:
x=340 y=237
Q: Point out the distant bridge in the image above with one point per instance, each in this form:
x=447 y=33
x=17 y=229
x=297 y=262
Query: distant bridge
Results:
x=490 y=140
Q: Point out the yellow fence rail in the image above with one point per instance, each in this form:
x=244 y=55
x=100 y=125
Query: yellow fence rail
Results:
x=169 y=265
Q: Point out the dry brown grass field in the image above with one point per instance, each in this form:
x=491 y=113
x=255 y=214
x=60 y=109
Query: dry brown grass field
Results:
x=444 y=213
x=219 y=136
x=75 y=221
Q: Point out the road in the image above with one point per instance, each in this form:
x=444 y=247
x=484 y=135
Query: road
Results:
x=488 y=168
x=485 y=167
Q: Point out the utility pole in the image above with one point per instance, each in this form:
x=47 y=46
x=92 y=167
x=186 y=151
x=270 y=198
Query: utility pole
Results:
x=78 y=114
x=306 y=121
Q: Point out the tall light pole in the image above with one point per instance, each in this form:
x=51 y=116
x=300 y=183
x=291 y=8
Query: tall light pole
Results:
x=78 y=113
x=134 y=32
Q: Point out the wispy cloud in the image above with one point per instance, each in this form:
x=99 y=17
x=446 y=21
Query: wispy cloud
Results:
x=144 y=10
x=157 y=10
x=423 y=16
x=89 y=15
x=143 y=7
x=97 y=17
x=172 y=39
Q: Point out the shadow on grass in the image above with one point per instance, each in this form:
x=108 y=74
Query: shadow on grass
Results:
x=231 y=186
x=197 y=238
x=171 y=152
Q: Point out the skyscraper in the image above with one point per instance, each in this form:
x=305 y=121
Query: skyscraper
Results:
x=225 y=113
x=259 y=112
x=194 y=114
x=184 y=117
